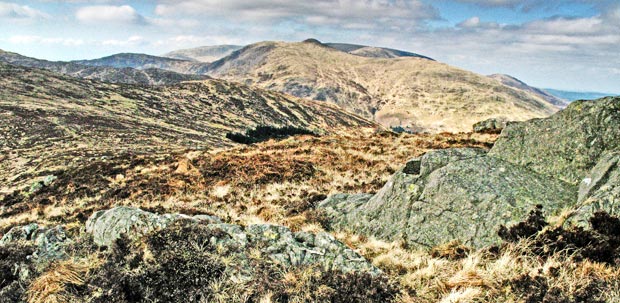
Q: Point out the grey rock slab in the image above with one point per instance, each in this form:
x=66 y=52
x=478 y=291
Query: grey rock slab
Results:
x=566 y=145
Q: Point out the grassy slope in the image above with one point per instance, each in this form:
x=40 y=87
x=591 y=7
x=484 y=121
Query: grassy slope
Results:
x=281 y=182
x=418 y=93
x=49 y=120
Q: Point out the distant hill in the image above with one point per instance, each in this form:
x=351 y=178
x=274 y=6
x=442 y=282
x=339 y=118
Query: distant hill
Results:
x=574 y=96
x=415 y=93
x=516 y=83
x=143 y=61
x=205 y=54
x=45 y=116
x=113 y=73
x=373 y=52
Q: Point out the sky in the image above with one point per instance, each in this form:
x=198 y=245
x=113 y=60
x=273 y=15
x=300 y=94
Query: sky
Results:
x=562 y=44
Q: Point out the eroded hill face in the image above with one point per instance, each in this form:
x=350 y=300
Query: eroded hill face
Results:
x=416 y=93
x=128 y=68
x=48 y=121
x=518 y=84
x=204 y=53
x=143 y=61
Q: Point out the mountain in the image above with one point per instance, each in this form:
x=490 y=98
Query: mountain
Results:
x=143 y=61
x=204 y=53
x=101 y=72
x=45 y=115
x=373 y=52
x=574 y=96
x=415 y=93
x=516 y=83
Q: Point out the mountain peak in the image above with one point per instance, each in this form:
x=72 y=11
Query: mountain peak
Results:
x=313 y=41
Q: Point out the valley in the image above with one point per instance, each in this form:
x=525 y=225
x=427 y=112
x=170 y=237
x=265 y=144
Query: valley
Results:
x=301 y=172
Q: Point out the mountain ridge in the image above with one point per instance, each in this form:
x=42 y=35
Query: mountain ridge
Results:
x=516 y=83
x=127 y=75
x=386 y=90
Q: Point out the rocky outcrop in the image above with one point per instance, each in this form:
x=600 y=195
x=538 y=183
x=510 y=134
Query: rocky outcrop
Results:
x=108 y=225
x=279 y=243
x=466 y=194
x=566 y=145
x=456 y=194
x=490 y=126
x=600 y=190
x=49 y=242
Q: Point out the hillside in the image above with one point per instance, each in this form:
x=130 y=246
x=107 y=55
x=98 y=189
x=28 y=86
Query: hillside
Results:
x=415 y=93
x=518 y=84
x=204 y=54
x=373 y=52
x=113 y=73
x=143 y=61
x=205 y=226
x=57 y=120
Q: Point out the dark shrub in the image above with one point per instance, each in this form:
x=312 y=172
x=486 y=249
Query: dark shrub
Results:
x=263 y=133
x=180 y=270
x=599 y=244
x=13 y=256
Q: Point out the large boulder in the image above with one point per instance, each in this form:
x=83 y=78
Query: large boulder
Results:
x=463 y=194
x=278 y=243
x=566 y=145
x=466 y=196
x=600 y=190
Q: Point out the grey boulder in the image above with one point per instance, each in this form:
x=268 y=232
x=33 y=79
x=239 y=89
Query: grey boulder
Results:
x=600 y=189
x=108 y=225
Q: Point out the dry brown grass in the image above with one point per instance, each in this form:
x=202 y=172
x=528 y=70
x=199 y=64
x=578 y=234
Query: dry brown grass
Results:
x=276 y=181
x=483 y=277
x=51 y=286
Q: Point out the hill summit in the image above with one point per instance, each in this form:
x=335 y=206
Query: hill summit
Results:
x=414 y=93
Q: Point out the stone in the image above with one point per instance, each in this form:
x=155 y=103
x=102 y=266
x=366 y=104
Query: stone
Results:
x=490 y=126
x=107 y=225
x=600 y=190
x=50 y=242
x=459 y=194
x=278 y=243
x=566 y=145
x=463 y=194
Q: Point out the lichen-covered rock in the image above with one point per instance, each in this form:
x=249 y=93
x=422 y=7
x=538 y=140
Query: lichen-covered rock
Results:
x=108 y=225
x=600 y=189
x=466 y=196
x=50 y=242
x=566 y=145
x=339 y=204
x=433 y=160
x=278 y=243
x=490 y=126
x=463 y=194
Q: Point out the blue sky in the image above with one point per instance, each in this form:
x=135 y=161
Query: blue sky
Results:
x=569 y=44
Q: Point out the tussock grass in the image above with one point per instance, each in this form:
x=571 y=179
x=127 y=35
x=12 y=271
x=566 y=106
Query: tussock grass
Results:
x=52 y=286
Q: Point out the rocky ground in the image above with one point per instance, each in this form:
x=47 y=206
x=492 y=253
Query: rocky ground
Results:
x=376 y=217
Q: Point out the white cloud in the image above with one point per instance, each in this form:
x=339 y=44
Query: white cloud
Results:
x=16 y=11
x=507 y=3
x=131 y=41
x=109 y=14
x=26 y=39
x=345 y=13
x=475 y=23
